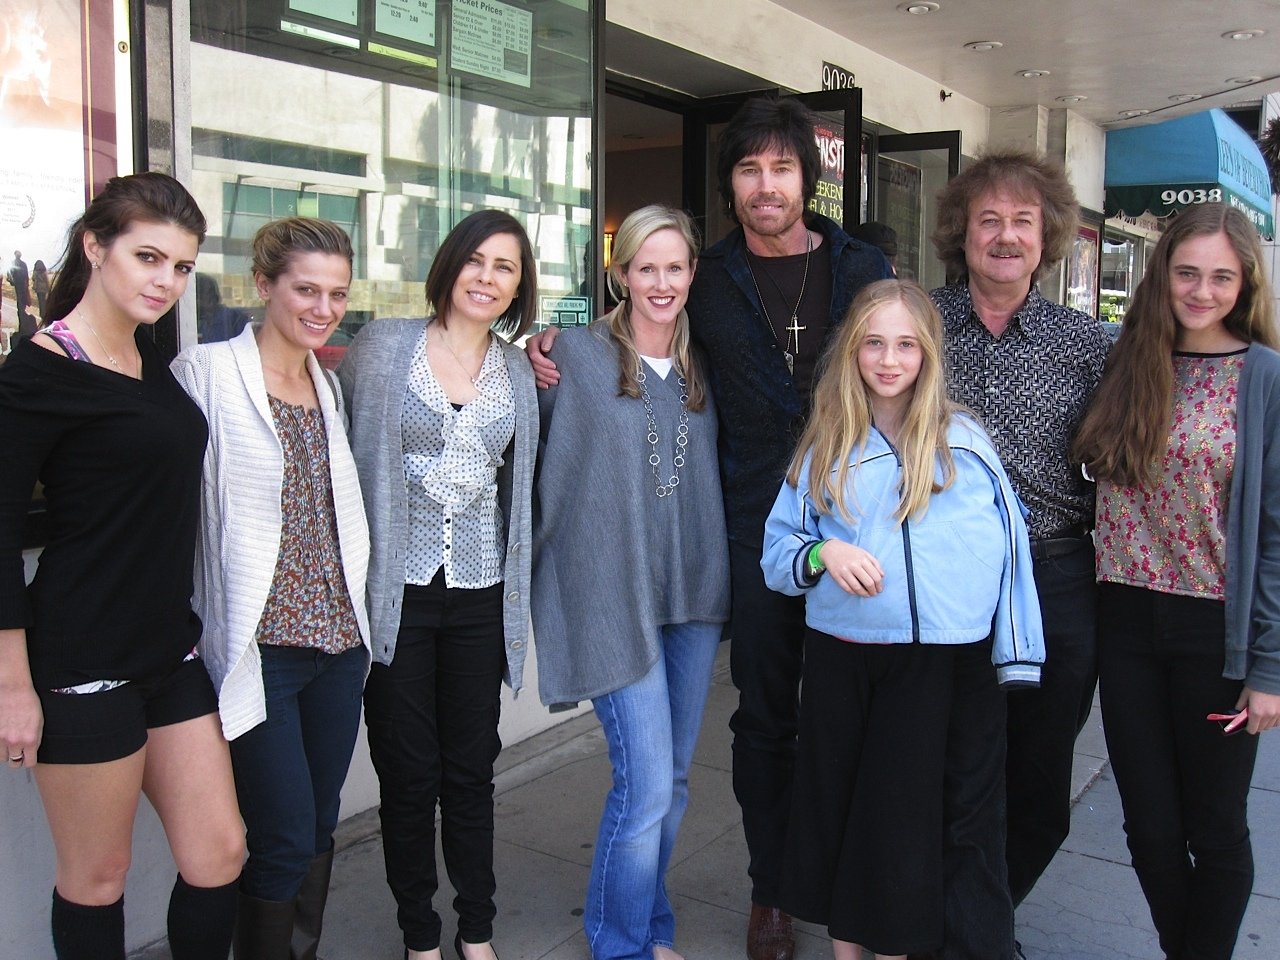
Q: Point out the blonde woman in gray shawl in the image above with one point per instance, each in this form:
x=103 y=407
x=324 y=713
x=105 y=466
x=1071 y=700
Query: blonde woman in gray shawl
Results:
x=631 y=581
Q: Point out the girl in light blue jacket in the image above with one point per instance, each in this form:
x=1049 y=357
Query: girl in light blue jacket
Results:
x=899 y=526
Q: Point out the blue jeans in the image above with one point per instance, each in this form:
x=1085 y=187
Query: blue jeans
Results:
x=652 y=728
x=290 y=769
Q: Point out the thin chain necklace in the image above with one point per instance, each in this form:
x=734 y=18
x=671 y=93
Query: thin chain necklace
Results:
x=682 y=435
x=110 y=358
x=475 y=381
x=795 y=328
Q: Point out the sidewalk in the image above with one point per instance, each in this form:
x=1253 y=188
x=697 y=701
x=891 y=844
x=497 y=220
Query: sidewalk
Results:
x=549 y=791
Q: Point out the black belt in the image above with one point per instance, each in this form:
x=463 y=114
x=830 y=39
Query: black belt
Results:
x=1065 y=542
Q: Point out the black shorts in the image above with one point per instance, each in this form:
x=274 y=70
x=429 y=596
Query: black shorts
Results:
x=110 y=724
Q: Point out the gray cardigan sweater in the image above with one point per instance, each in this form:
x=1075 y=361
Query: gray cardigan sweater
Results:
x=1253 y=528
x=374 y=374
x=613 y=562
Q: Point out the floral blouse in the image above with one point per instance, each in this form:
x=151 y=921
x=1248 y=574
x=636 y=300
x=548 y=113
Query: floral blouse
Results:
x=308 y=605
x=1170 y=537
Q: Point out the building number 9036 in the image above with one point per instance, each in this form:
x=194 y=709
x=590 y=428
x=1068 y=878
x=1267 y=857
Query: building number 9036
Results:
x=1191 y=196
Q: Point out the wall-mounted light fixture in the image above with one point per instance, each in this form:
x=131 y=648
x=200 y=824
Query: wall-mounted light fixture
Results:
x=608 y=248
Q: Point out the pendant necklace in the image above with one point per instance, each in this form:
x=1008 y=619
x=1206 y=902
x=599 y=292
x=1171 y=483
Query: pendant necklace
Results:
x=682 y=435
x=475 y=381
x=110 y=359
x=794 y=329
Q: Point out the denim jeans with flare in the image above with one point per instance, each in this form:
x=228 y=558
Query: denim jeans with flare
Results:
x=652 y=728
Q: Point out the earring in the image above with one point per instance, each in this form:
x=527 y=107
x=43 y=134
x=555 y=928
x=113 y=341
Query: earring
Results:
x=93 y=264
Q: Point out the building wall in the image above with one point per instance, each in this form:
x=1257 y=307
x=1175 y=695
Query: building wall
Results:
x=793 y=55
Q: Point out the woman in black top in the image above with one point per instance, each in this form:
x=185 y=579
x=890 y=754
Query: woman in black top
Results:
x=100 y=690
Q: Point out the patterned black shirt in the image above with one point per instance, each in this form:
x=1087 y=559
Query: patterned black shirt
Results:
x=1030 y=387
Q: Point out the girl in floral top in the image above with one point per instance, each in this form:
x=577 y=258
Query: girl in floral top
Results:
x=1184 y=439
x=280 y=578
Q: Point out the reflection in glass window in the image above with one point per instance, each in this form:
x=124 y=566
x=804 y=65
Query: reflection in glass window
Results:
x=396 y=131
x=1119 y=255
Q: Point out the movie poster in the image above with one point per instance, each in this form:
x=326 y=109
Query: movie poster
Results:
x=57 y=138
x=1082 y=271
x=828 y=198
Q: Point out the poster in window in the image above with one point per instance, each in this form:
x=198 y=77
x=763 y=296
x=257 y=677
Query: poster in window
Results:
x=65 y=130
x=1082 y=272
x=58 y=109
x=828 y=198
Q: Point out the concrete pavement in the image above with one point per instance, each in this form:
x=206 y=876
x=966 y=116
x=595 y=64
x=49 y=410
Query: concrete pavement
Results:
x=549 y=792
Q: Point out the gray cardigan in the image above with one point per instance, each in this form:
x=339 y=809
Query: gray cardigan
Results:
x=1253 y=528
x=374 y=374
x=613 y=562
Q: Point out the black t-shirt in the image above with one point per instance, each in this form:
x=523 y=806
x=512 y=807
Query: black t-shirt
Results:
x=785 y=292
x=121 y=462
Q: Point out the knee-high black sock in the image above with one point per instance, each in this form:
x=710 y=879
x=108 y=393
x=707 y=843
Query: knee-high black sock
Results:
x=201 y=920
x=87 y=933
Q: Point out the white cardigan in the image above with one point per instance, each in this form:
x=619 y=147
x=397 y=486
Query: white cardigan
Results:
x=239 y=535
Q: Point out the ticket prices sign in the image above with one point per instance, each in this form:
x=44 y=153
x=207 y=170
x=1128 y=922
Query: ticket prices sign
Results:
x=829 y=198
x=492 y=40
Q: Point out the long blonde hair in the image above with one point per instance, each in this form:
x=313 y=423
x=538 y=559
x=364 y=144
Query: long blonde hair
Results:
x=638 y=227
x=841 y=417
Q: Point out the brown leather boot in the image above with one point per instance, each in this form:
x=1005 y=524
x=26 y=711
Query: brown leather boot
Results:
x=769 y=934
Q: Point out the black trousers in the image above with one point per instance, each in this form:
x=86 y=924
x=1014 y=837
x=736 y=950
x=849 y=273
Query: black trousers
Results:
x=1184 y=786
x=1043 y=723
x=766 y=660
x=432 y=715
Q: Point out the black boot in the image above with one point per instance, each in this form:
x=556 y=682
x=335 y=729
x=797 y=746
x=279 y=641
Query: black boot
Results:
x=263 y=928
x=308 y=915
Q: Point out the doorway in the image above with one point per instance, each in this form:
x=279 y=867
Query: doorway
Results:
x=660 y=148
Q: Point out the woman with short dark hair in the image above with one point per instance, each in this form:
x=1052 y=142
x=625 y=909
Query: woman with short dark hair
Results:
x=444 y=427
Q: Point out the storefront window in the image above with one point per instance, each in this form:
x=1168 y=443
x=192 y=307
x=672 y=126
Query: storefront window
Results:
x=395 y=119
x=1119 y=267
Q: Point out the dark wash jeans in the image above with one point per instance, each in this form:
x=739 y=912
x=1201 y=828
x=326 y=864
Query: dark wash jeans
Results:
x=432 y=715
x=766 y=661
x=1184 y=786
x=290 y=769
x=1043 y=723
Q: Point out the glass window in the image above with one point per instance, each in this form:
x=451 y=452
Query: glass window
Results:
x=1119 y=269
x=395 y=119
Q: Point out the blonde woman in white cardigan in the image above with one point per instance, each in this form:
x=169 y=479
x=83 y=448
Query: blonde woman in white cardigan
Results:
x=280 y=579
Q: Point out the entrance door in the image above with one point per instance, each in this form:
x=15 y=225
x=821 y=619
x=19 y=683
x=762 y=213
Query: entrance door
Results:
x=841 y=186
x=910 y=169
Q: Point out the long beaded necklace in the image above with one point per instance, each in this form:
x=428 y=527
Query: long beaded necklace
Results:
x=682 y=435
x=795 y=328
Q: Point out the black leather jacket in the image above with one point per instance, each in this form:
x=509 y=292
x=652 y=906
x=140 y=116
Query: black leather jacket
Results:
x=761 y=412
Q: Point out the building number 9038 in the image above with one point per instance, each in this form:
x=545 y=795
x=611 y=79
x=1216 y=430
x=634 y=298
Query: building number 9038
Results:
x=1191 y=196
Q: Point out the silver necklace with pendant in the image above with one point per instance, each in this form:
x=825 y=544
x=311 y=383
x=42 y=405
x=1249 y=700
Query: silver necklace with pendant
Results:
x=795 y=328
